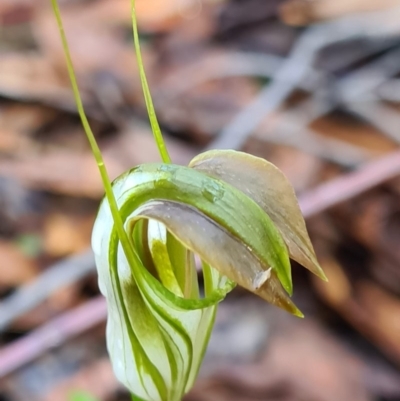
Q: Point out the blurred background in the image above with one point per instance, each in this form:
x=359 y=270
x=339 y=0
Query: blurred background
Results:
x=311 y=85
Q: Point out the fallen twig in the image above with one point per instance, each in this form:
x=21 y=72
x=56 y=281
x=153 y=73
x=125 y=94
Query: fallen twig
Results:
x=293 y=71
x=350 y=185
x=68 y=325
x=57 y=276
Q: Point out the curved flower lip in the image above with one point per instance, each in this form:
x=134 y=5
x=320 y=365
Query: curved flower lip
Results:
x=219 y=248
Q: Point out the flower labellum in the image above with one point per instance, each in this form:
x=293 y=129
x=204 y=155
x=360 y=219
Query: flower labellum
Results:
x=238 y=214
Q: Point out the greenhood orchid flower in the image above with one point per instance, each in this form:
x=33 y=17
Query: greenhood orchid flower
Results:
x=238 y=214
x=232 y=214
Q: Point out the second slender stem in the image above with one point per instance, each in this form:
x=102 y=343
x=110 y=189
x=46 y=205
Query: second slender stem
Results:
x=146 y=92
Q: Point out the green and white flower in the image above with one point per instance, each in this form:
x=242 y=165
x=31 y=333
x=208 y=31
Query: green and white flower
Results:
x=238 y=213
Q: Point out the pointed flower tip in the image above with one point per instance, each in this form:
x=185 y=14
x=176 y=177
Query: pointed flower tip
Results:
x=293 y=309
x=321 y=274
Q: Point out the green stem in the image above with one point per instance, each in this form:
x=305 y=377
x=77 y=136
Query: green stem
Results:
x=146 y=92
x=123 y=237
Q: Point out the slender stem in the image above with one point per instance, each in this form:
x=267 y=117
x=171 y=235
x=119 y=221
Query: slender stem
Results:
x=146 y=91
x=129 y=251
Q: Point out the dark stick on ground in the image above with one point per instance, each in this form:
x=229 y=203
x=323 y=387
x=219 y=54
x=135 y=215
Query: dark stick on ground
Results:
x=57 y=276
x=52 y=334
